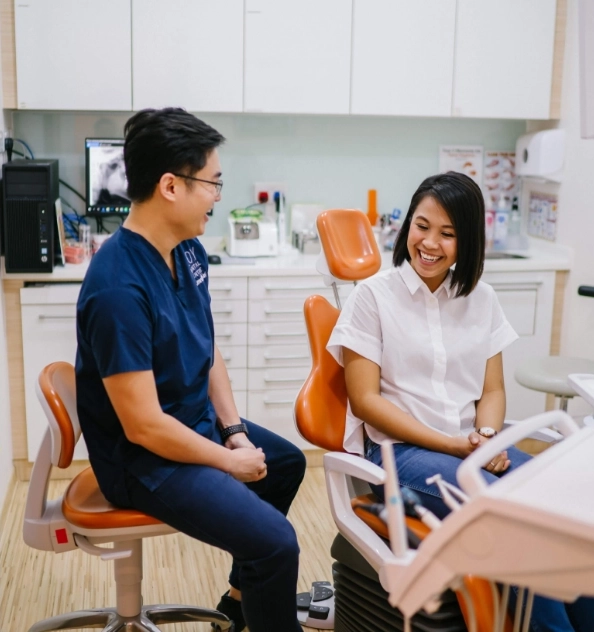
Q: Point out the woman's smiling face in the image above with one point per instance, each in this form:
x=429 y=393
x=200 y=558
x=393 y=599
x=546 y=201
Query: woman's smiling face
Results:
x=431 y=243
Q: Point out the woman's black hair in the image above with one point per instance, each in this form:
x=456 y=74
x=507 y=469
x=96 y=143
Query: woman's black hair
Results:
x=462 y=200
x=161 y=141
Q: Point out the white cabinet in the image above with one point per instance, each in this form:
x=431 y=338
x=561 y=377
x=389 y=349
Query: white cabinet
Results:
x=297 y=56
x=527 y=301
x=48 y=318
x=403 y=57
x=504 y=58
x=188 y=54
x=73 y=55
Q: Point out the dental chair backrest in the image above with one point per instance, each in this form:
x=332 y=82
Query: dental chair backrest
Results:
x=349 y=254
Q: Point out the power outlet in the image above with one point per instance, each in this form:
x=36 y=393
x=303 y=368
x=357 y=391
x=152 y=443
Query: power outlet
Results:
x=270 y=188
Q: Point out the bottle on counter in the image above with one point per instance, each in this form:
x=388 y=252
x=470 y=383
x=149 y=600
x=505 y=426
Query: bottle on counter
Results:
x=501 y=225
x=489 y=223
x=372 y=206
x=514 y=230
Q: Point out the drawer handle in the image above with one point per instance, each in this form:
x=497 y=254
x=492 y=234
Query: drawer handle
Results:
x=272 y=402
x=55 y=317
x=226 y=357
x=517 y=287
x=283 y=379
x=284 y=288
x=223 y=335
x=292 y=333
x=227 y=288
x=283 y=311
x=286 y=357
x=222 y=311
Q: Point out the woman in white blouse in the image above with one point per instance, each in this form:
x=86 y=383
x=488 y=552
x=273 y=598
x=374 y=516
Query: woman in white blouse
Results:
x=421 y=345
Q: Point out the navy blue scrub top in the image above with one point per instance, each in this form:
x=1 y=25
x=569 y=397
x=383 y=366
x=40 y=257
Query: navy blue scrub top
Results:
x=133 y=316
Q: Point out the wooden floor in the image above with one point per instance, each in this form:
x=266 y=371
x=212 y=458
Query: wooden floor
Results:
x=37 y=584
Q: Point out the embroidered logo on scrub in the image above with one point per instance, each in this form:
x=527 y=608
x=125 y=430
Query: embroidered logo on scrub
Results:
x=195 y=266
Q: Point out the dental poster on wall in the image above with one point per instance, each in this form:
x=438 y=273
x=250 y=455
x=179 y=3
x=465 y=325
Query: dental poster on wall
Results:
x=467 y=159
x=542 y=215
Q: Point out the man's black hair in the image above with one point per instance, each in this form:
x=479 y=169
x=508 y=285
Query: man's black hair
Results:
x=462 y=200
x=170 y=140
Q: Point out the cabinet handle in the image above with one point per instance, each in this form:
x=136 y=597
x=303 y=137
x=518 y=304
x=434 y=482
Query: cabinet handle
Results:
x=283 y=311
x=272 y=402
x=292 y=333
x=286 y=357
x=285 y=288
x=56 y=317
x=226 y=288
x=284 y=379
x=517 y=287
x=222 y=311
x=226 y=357
x=223 y=335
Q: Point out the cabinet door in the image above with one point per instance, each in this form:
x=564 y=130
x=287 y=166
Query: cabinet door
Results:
x=504 y=58
x=188 y=54
x=49 y=335
x=403 y=57
x=298 y=56
x=73 y=55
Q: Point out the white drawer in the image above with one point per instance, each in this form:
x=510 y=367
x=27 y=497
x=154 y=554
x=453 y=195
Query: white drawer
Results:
x=278 y=356
x=277 y=333
x=234 y=357
x=285 y=287
x=238 y=379
x=277 y=378
x=519 y=302
x=264 y=310
x=228 y=287
x=54 y=293
x=293 y=287
x=230 y=311
x=274 y=411
x=231 y=334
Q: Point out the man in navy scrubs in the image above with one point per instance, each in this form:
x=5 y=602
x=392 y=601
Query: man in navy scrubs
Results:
x=153 y=394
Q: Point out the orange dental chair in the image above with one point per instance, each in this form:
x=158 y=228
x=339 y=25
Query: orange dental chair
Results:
x=349 y=254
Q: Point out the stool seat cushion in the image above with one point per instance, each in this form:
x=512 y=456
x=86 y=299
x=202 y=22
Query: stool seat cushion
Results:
x=549 y=373
x=84 y=505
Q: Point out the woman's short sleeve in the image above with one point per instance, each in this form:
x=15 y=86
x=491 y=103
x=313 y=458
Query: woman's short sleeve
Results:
x=502 y=333
x=358 y=327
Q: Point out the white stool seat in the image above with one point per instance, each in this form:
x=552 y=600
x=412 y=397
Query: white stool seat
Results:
x=549 y=374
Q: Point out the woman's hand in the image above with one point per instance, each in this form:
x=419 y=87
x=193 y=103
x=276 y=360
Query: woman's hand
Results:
x=499 y=463
x=463 y=446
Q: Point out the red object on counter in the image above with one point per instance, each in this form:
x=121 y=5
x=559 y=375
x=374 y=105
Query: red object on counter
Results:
x=372 y=206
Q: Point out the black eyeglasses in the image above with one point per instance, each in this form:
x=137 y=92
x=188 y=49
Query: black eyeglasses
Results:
x=218 y=185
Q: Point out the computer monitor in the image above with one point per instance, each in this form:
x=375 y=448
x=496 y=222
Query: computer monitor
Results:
x=106 y=177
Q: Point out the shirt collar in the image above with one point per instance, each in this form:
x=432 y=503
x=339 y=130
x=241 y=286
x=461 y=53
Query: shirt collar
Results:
x=413 y=281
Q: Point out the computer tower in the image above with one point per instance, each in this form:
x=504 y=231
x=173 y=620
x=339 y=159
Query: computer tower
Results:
x=29 y=197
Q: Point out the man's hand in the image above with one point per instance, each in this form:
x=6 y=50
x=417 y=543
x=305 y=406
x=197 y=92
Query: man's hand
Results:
x=238 y=440
x=247 y=464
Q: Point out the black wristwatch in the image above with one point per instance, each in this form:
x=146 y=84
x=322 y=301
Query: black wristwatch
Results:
x=231 y=430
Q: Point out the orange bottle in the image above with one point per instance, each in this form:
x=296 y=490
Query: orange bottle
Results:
x=372 y=206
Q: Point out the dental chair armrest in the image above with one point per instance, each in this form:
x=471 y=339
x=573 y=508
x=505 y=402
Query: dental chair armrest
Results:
x=547 y=435
x=469 y=472
x=356 y=466
x=339 y=468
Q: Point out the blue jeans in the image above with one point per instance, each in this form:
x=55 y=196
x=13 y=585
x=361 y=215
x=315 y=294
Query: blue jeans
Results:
x=245 y=519
x=415 y=465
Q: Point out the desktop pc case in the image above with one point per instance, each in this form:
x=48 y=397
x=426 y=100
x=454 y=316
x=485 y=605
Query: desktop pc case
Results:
x=30 y=191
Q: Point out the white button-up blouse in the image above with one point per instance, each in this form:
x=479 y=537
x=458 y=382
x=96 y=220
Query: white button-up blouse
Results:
x=432 y=348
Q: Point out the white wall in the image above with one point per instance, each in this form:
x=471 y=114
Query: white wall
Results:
x=6 y=467
x=576 y=210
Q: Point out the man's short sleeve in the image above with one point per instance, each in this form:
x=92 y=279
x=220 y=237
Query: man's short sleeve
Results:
x=117 y=324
